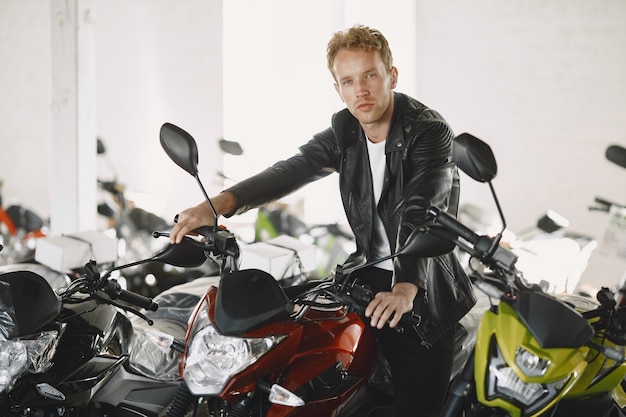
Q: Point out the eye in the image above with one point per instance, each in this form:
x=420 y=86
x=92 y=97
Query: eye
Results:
x=347 y=82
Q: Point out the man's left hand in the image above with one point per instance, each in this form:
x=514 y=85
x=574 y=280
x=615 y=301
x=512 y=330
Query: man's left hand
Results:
x=391 y=305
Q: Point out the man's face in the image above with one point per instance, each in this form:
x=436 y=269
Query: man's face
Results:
x=365 y=85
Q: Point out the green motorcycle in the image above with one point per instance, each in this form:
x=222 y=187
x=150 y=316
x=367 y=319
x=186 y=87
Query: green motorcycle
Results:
x=536 y=354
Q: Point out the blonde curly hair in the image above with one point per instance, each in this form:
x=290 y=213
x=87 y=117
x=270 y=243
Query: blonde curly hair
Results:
x=358 y=37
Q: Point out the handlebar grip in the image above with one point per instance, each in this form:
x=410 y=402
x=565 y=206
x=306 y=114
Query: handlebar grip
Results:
x=113 y=289
x=361 y=295
x=138 y=300
x=454 y=225
x=202 y=230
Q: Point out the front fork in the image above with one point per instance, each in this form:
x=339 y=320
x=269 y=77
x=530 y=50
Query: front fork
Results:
x=460 y=390
x=184 y=401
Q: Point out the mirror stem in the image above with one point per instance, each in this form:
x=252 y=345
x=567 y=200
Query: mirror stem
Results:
x=208 y=200
x=109 y=271
x=498 y=237
x=370 y=263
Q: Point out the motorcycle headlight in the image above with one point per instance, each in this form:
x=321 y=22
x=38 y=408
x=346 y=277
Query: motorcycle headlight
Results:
x=504 y=383
x=212 y=358
x=13 y=362
x=531 y=364
x=32 y=354
x=41 y=349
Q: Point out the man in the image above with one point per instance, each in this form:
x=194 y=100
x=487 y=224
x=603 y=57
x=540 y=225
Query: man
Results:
x=393 y=156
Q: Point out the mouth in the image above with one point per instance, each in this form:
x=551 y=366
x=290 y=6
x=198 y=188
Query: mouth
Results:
x=365 y=106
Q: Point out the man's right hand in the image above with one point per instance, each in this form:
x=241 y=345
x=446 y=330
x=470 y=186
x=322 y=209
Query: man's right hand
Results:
x=201 y=215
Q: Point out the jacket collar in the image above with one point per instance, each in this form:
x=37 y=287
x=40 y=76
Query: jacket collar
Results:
x=348 y=130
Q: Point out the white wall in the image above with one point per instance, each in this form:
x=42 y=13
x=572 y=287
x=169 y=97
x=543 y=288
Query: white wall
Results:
x=25 y=103
x=156 y=62
x=159 y=61
x=542 y=81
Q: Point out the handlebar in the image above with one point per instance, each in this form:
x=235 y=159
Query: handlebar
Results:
x=93 y=282
x=358 y=296
x=487 y=249
x=115 y=291
x=605 y=205
x=454 y=225
x=608 y=317
x=112 y=187
x=218 y=238
x=353 y=297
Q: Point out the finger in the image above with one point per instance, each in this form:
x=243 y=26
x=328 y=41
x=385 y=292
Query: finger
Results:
x=371 y=307
x=178 y=232
x=378 y=316
x=174 y=234
x=384 y=317
x=184 y=230
x=375 y=309
x=395 y=319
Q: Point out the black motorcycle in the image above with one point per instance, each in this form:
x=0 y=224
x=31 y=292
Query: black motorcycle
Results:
x=87 y=347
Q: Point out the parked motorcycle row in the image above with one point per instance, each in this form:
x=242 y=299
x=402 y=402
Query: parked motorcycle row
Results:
x=19 y=228
x=613 y=241
x=549 y=252
x=240 y=344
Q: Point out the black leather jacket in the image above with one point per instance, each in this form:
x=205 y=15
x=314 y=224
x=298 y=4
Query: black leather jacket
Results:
x=419 y=174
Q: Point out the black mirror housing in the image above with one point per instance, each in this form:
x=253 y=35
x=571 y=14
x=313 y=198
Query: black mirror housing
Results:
x=474 y=157
x=181 y=147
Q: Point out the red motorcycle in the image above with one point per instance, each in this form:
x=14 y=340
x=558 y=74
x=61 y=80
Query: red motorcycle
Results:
x=254 y=348
x=19 y=227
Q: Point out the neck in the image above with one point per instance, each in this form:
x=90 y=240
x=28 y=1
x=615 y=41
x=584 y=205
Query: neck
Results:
x=377 y=131
x=376 y=134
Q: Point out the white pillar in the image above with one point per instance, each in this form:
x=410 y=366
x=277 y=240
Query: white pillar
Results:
x=73 y=116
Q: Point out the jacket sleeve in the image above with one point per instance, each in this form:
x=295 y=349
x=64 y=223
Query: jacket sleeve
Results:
x=316 y=159
x=431 y=179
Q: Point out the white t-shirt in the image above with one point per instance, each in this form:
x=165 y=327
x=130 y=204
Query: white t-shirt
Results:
x=378 y=163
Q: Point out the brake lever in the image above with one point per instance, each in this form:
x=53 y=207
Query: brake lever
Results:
x=199 y=243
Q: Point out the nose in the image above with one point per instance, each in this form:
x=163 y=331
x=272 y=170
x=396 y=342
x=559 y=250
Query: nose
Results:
x=361 y=89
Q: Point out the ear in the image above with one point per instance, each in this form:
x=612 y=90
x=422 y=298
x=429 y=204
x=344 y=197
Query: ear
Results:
x=394 y=77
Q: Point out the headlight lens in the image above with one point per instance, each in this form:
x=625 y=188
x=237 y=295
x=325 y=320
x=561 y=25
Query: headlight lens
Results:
x=213 y=359
x=20 y=355
x=41 y=350
x=531 y=364
x=503 y=382
x=13 y=362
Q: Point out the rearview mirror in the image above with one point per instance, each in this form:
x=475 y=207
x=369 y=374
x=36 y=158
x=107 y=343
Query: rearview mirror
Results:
x=617 y=155
x=230 y=147
x=181 y=147
x=474 y=157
